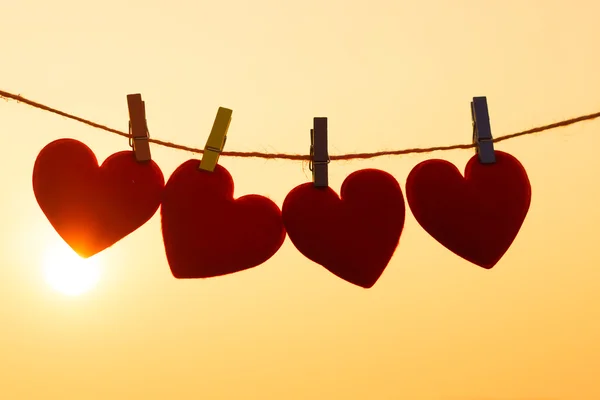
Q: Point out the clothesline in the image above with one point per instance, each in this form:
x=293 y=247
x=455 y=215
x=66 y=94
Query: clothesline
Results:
x=301 y=157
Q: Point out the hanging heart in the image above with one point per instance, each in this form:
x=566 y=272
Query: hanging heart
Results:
x=90 y=206
x=208 y=233
x=353 y=235
x=476 y=216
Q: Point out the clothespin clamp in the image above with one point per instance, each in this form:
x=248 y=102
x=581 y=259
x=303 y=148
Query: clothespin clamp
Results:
x=216 y=140
x=482 y=132
x=138 y=128
x=319 y=156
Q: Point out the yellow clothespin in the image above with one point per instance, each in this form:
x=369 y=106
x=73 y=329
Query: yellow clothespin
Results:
x=216 y=140
x=138 y=128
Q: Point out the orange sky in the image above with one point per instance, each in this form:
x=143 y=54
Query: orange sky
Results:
x=388 y=74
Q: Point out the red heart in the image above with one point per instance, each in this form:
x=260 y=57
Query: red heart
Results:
x=92 y=207
x=353 y=235
x=207 y=232
x=476 y=217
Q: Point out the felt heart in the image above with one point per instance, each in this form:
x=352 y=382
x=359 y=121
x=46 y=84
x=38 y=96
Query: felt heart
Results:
x=90 y=206
x=207 y=233
x=353 y=235
x=476 y=216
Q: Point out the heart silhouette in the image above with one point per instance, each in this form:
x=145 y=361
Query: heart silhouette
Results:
x=90 y=206
x=476 y=216
x=353 y=235
x=208 y=233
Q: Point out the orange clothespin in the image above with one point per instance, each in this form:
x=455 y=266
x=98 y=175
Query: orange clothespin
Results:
x=319 y=156
x=138 y=128
x=482 y=131
x=216 y=140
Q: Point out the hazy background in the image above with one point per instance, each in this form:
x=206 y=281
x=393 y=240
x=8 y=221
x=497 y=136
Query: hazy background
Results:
x=387 y=74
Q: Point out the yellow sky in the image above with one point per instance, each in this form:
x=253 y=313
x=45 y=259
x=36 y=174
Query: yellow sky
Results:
x=388 y=74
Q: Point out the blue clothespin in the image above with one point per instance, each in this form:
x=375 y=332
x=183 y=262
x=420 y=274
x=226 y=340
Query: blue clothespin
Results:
x=482 y=132
x=319 y=156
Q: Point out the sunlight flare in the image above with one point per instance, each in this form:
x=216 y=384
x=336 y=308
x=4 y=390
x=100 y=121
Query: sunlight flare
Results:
x=68 y=273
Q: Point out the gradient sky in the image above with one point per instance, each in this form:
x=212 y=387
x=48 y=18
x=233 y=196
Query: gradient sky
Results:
x=388 y=74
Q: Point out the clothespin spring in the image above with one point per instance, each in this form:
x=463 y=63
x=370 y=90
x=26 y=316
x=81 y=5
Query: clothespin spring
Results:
x=216 y=149
x=312 y=153
x=132 y=139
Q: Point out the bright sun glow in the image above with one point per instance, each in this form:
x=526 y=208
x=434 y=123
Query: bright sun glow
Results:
x=68 y=273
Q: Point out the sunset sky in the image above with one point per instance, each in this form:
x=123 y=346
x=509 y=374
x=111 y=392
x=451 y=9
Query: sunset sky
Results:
x=388 y=74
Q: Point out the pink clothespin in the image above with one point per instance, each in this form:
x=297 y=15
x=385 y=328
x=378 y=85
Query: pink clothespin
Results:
x=138 y=128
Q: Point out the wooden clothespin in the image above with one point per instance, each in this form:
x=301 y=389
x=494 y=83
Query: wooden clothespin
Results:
x=216 y=140
x=319 y=156
x=138 y=128
x=482 y=132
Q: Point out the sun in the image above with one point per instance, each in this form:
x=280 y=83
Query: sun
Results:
x=68 y=273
